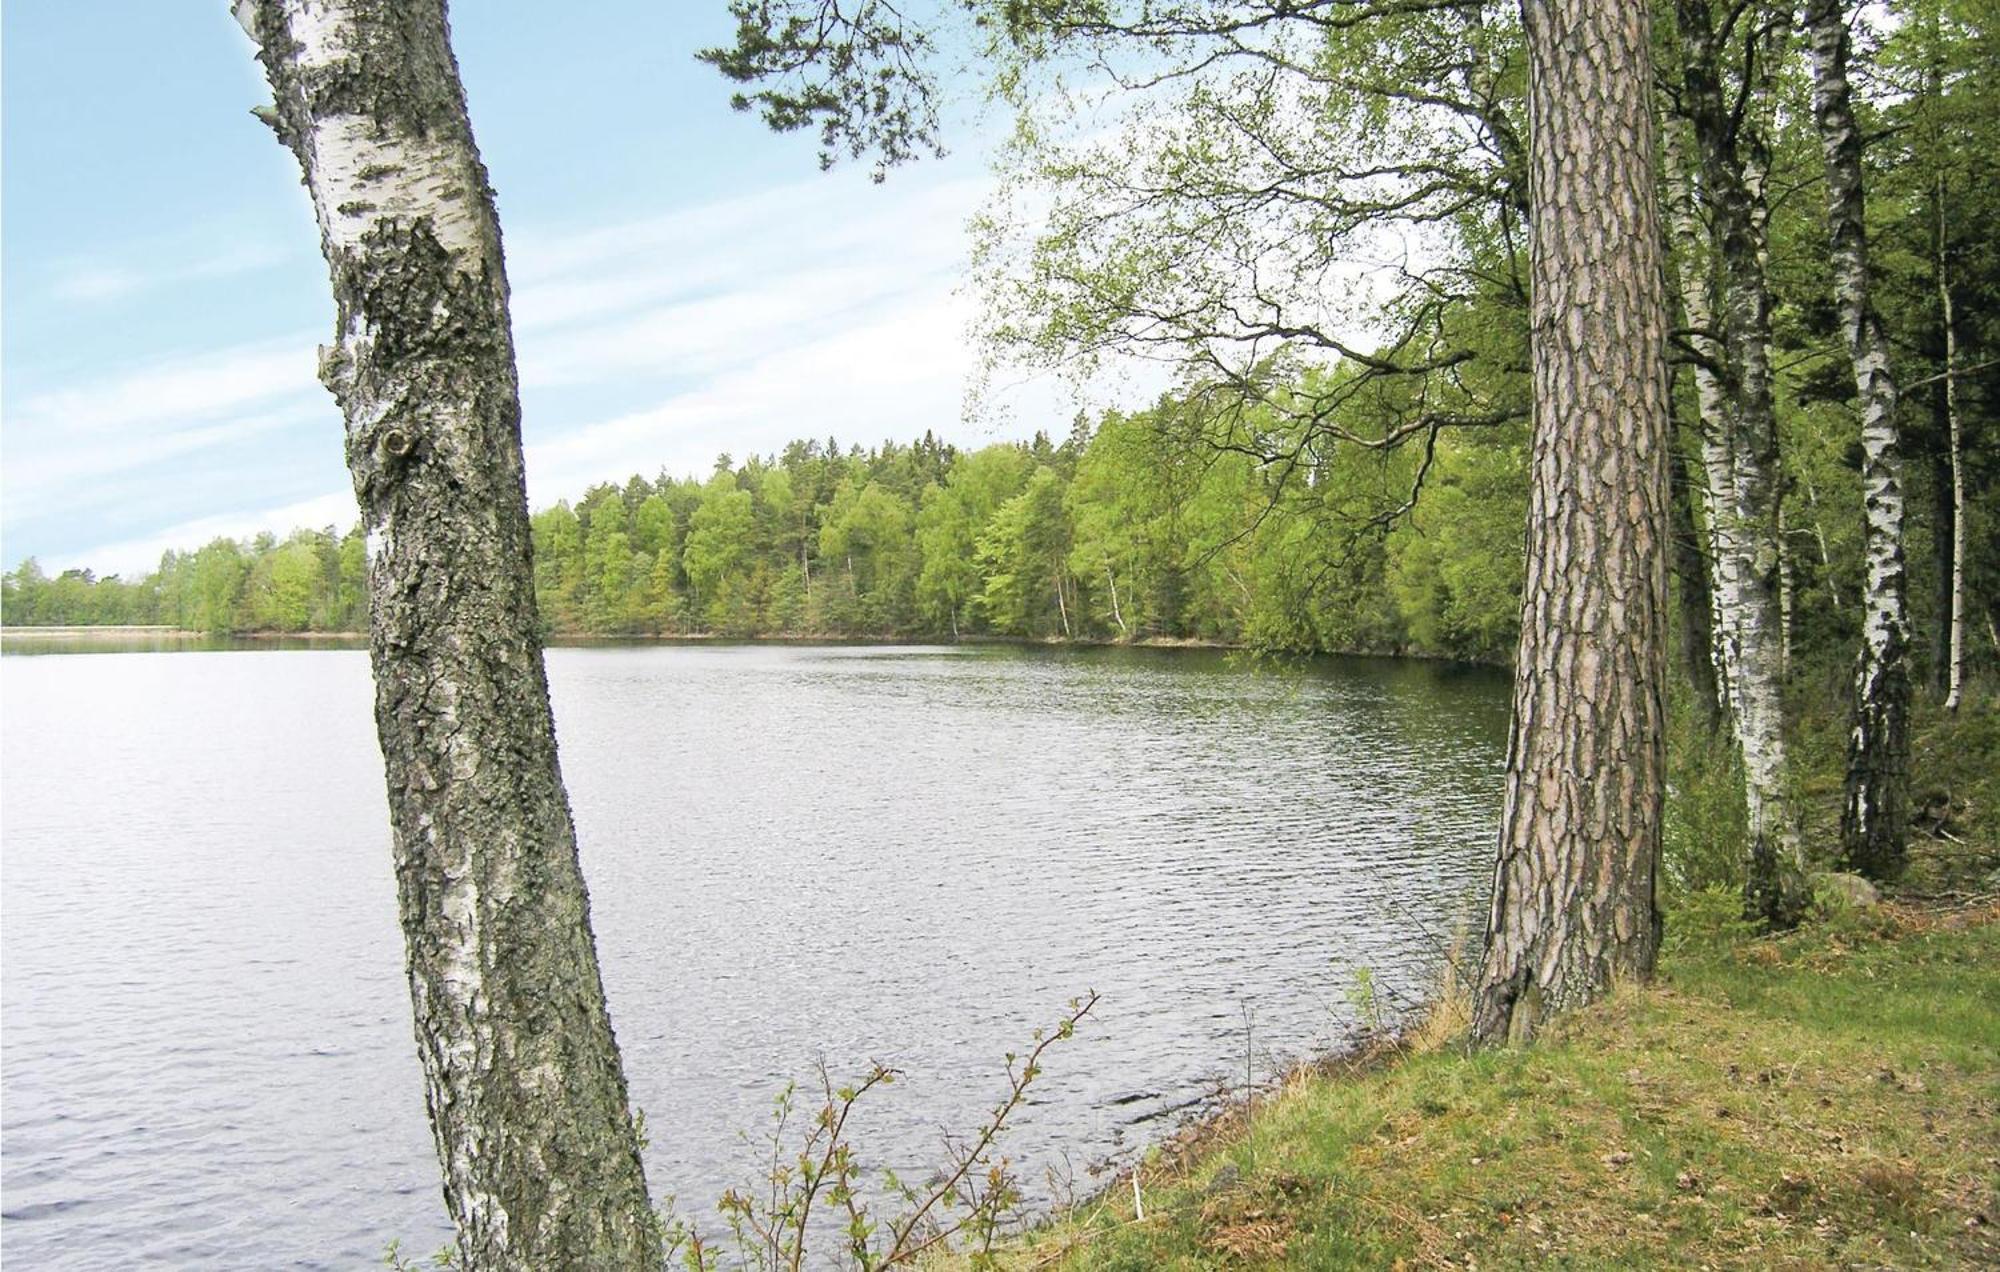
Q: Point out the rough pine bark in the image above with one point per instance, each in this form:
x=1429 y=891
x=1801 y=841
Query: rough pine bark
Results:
x=1747 y=585
x=527 y=1100
x=1874 y=820
x=1573 y=908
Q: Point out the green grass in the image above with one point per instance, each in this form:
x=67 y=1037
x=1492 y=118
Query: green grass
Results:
x=1827 y=1098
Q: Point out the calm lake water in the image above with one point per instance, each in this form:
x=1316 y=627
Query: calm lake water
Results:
x=912 y=855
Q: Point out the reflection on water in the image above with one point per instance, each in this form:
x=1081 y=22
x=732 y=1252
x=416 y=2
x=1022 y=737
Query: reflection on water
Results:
x=909 y=855
x=154 y=640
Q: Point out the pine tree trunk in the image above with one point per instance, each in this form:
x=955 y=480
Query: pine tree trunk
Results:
x=1573 y=907
x=527 y=1100
x=1874 y=821
x=1747 y=590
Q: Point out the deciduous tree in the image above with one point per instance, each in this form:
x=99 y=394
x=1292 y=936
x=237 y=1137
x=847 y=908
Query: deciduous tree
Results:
x=527 y=1098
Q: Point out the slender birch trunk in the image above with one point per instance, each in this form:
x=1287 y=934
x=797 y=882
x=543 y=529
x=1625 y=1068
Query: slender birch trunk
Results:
x=1787 y=593
x=1573 y=908
x=527 y=1099
x=1941 y=533
x=1819 y=537
x=1117 y=616
x=1874 y=821
x=1748 y=588
x=1693 y=614
x=1717 y=422
x=1955 y=642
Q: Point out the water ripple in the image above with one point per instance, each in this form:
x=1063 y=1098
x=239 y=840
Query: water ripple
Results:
x=908 y=855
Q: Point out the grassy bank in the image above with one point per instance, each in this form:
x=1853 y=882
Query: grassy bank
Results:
x=1826 y=1098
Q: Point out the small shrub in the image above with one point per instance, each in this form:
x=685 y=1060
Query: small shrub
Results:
x=813 y=1191
x=1707 y=826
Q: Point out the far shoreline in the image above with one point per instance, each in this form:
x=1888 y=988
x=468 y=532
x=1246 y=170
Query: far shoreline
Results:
x=113 y=633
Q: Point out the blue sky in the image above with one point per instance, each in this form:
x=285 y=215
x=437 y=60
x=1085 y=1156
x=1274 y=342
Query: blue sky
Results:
x=684 y=282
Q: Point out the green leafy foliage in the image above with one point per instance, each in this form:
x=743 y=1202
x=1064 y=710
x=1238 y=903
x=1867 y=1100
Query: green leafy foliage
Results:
x=313 y=580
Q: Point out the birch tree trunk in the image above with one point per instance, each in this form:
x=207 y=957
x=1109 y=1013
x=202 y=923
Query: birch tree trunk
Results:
x=1747 y=587
x=1718 y=426
x=1695 y=612
x=527 y=1100
x=1787 y=598
x=1874 y=820
x=1573 y=908
x=1954 y=678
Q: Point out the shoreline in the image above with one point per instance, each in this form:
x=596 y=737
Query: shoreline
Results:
x=1792 y=1138
x=111 y=633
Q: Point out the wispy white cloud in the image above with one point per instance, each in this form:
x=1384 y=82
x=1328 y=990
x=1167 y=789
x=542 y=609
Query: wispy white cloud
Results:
x=895 y=375
x=141 y=554
x=817 y=308
x=163 y=393
x=45 y=479
x=769 y=322
x=94 y=282
x=761 y=265
x=90 y=283
x=78 y=449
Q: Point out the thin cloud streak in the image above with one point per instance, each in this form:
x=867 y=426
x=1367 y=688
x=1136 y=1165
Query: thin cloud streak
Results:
x=837 y=385
x=200 y=388
x=41 y=482
x=734 y=326
x=141 y=555
x=100 y=282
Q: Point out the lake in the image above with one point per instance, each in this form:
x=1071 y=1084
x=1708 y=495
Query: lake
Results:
x=906 y=854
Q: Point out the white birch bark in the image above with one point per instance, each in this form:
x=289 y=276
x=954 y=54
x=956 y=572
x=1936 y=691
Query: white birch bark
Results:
x=1747 y=587
x=527 y=1099
x=1955 y=659
x=1718 y=436
x=1787 y=599
x=1819 y=537
x=1873 y=821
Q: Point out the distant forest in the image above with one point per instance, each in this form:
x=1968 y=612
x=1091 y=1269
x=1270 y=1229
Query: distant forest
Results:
x=1149 y=525
x=1138 y=528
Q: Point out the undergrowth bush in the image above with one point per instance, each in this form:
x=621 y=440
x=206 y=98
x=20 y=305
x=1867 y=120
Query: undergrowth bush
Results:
x=1707 y=827
x=812 y=1208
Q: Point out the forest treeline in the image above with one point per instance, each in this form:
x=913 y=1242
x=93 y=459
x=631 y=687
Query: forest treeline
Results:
x=1129 y=530
x=1139 y=527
